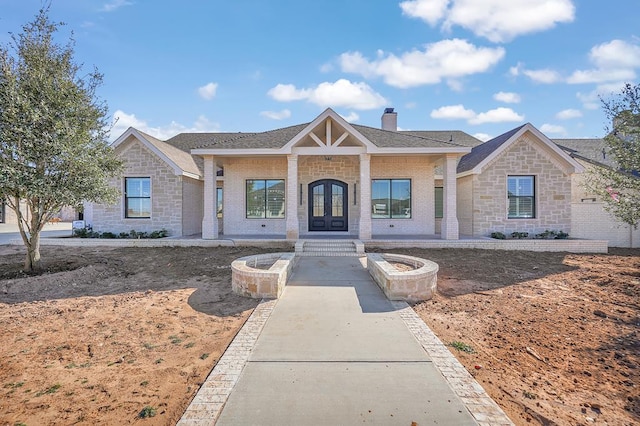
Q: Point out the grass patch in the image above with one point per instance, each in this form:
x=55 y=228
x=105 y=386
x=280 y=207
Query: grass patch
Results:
x=148 y=346
x=175 y=340
x=147 y=412
x=14 y=385
x=463 y=347
x=189 y=345
x=204 y=356
x=145 y=383
x=50 y=390
x=529 y=395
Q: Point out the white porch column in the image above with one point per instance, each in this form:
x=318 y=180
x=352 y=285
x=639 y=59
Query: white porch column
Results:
x=449 y=224
x=365 y=197
x=292 y=197
x=210 y=219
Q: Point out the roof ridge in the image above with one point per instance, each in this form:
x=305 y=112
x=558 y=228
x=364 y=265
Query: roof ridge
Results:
x=400 y=132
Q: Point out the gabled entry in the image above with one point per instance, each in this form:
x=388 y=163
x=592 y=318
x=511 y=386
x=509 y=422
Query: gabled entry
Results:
x=328 y=205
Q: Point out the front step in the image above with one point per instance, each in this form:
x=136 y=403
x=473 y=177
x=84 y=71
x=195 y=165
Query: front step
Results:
x=329 y=248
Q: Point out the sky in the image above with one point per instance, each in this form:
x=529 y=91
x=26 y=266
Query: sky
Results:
x=480 y=66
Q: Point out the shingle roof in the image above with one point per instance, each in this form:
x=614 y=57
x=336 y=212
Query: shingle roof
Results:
x=455 y=136
x=388 y=139
x=480 y=152
x=589 y=149
x=183 y=159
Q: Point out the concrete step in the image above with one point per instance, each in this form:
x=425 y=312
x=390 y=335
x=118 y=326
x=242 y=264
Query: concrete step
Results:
x=329 y=248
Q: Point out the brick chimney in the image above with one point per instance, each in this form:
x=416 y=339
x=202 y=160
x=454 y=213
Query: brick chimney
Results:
x=390 y=120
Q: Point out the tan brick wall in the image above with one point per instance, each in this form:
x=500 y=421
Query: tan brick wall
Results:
x=192 y=206
x=166 y=194
x=420 y=170
x=553 y=192
x=592 y=221
x=236 y=172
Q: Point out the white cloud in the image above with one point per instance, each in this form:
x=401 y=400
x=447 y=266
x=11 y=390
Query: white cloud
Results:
x=482 y=136
x=208 y=91
x=456 y=112
x=614 y=61
x=341 y=93
x=497 y=115
x=546 y=76
x=352 y=117
x=507 y=97
x=453 y=112
x=325 y=68
x=497 y=20
x=276 y=115
x=568 y=114
x=115 y=5
x=123 y=121
x=591 y=100
x=430 y=11
x=553 y=128
x=446 y=59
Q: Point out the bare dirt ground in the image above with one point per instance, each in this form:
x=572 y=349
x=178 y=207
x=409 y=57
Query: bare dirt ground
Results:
x=555 y=336
x=106 y=332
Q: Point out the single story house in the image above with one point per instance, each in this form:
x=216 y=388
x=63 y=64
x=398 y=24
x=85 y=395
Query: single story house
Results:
x=330 y=177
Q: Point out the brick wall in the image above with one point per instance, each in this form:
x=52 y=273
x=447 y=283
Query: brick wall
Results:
x=420 y=170
x=236 y=172
x=465 y=204
x=553 y=192
x=166 y=194
x=192 y=206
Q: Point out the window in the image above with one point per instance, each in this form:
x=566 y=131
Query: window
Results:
x=137 y=198
x=219 y=200
x=439 y=202
x=391 y=198
x=265 y=199
x=521 y=194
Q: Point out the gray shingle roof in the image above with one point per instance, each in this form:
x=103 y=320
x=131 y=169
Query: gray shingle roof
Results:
x=183 y=159
x=480 y=152
x=589 y=149
x=388 y=139
x=455 y=136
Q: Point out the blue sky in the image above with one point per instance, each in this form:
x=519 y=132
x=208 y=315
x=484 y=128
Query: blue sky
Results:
x=481 y=66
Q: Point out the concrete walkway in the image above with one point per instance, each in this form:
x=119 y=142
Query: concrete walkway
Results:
x=333 y=350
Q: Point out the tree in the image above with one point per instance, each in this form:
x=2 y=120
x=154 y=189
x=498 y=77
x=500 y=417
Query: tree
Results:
x=53 y=132
x=619 y=185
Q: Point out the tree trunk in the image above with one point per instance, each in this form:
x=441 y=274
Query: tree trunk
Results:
x=32 y=260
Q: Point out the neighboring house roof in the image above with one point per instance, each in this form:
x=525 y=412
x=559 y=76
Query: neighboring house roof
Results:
x=593 y=150
x=483 y=154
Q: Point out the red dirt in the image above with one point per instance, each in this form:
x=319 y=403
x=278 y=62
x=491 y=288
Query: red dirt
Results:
x=104 y=333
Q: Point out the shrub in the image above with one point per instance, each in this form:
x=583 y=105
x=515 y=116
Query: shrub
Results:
x=562 y=235
x=519 y=235
x=147 y=412
x=498 y=236
x=108 y=235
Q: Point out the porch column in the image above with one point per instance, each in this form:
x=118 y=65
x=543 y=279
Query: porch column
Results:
x=365 y=197
x=449 y=224
x=292 y=197
x=210 y=219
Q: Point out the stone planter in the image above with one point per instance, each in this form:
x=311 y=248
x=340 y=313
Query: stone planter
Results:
x=417 y=283
x=261 y=276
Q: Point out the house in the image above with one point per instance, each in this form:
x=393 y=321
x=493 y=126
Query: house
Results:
x=330 y=177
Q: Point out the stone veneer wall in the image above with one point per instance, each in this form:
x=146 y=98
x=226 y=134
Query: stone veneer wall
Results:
x=192 y=206
x=420 y=169
x=340 y=167
x=553 y=192
x=465 y=205
x=166 y=194
x=236 y=172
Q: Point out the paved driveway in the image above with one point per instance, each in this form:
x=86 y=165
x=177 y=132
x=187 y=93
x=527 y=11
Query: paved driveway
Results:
x=9 y=232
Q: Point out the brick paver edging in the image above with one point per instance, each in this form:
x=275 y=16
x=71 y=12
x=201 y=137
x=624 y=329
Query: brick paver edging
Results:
x=483 y=409
x=210 y=399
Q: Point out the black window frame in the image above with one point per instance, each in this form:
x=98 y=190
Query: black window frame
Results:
x=266 y=201
x=518 y=198
x=389 y=214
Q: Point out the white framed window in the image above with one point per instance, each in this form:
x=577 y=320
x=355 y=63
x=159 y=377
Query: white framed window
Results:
x=521 y=192
x=137 y=197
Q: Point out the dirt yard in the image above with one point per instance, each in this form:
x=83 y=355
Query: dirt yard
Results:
x=107 y=336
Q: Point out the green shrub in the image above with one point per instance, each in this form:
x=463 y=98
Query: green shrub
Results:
x=519 y=235
x=562 y=235
x=147 y=411
x=108 y=235
x=498 y=236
